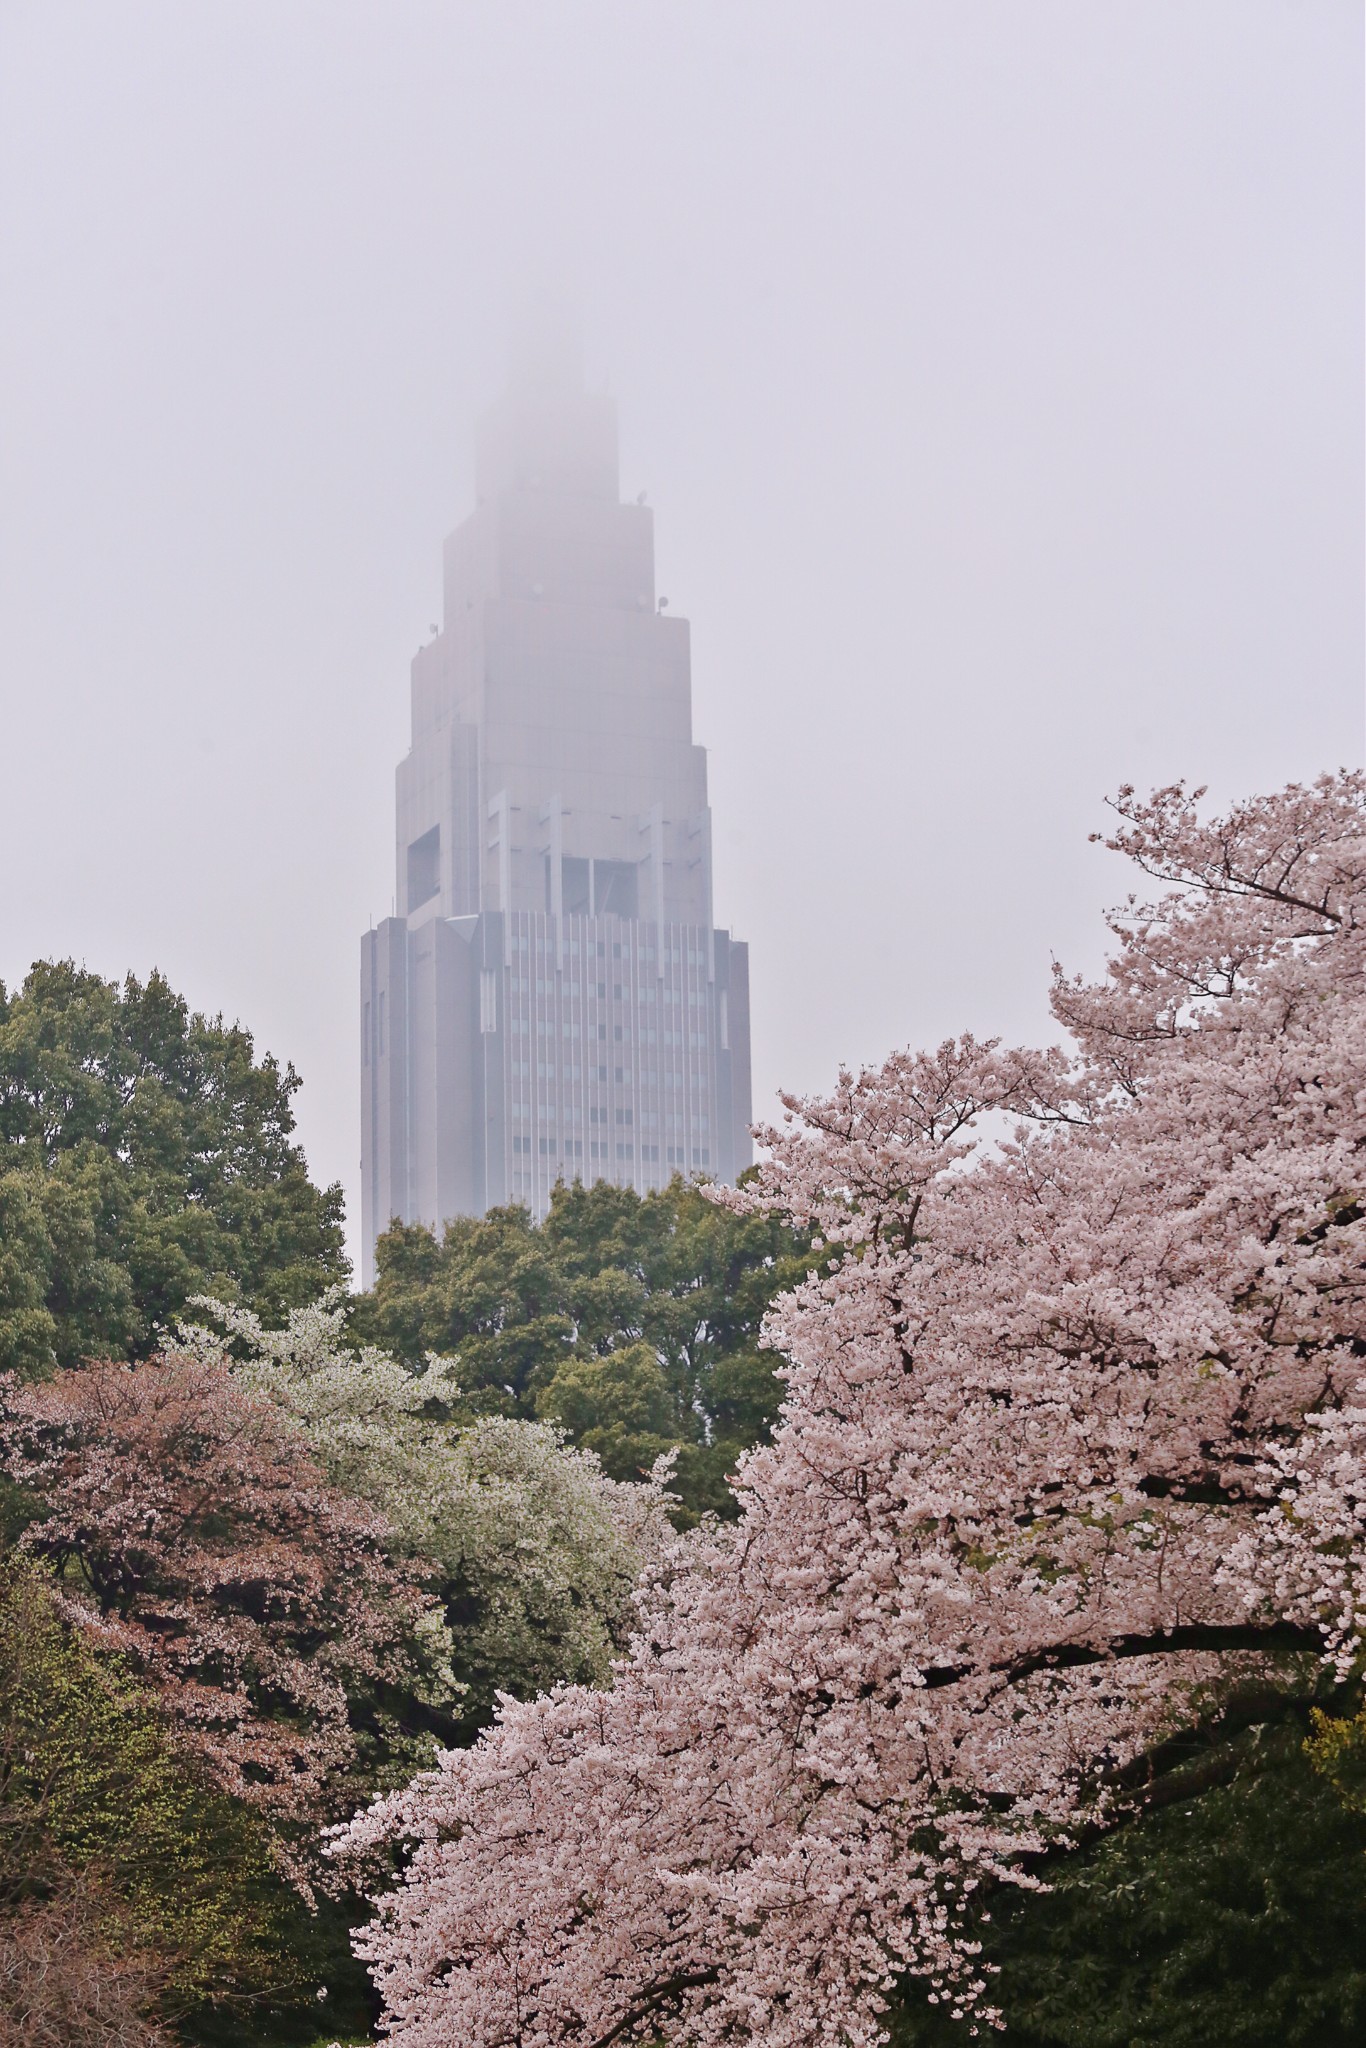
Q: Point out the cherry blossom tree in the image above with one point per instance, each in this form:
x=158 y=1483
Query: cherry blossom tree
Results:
x=1074 y=1445
x=190 y=1528
x=63 y=1984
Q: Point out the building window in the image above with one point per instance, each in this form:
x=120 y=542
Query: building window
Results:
x=614 y=890
x=624 y=1116
x=623 y=1152
x=424 y=867
x=575 y=888
x=488 y=999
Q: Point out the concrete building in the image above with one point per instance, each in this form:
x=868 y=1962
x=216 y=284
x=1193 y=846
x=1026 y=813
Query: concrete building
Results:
x=552 y=999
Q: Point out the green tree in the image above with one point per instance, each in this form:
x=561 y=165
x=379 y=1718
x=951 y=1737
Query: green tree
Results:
x=633 y=1321
x=1234 y=1917
x=146 y=1155
x=616 y=1404
x=100 y=1811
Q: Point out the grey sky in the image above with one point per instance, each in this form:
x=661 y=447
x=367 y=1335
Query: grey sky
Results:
x=994 y=371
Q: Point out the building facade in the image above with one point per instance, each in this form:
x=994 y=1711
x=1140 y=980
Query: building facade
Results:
x=551 y=999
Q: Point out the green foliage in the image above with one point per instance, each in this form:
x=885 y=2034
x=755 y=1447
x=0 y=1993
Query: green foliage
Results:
x=537 y=1553
x=1337 y=1749
x=616 y=1404
x=1236 y=1919
x=91 y=1791
x=145 y=1156
x=632 y=1321
x=531 y=1549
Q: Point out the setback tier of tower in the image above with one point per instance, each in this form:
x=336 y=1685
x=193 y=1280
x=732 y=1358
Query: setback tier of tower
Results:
x=550 y=999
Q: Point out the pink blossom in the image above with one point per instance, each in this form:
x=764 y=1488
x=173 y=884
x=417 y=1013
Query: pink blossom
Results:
x=192 y=1530
x=1075 y=1432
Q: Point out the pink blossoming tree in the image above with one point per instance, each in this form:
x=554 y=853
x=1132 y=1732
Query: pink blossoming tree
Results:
x=1075 y=1443
x=191 y=1529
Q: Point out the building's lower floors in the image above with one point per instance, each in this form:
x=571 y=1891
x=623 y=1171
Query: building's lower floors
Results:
x=501 y=1053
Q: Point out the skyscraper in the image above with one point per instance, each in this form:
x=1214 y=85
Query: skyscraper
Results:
x=551 y=999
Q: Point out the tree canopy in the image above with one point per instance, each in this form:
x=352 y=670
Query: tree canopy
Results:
x=191 y=1528
x=632 y=1322
x=146 y=1155
x=127 y=1882
x=1073 y=1459
x=530 y=1548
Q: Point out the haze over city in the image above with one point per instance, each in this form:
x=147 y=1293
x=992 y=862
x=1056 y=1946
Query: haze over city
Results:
x=993 y=374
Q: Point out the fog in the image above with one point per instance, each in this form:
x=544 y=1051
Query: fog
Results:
x=994 y=371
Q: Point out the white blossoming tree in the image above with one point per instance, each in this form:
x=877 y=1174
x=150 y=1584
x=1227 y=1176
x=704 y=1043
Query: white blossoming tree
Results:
x=535 y=1550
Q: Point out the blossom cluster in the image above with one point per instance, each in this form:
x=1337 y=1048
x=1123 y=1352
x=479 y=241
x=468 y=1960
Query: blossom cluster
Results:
x=191 y=1529
x=1075 y=1435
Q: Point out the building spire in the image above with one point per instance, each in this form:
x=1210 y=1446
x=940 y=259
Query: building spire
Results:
x=545 y=345
x=547 y=433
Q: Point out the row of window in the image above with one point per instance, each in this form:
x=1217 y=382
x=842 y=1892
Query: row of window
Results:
x=621 y=992
x=597 y=949
x=567 y=1070
x=649 y=1119
x=695 y=1041
x=598 y=1148
x=366 y=1032
x=520 y=1027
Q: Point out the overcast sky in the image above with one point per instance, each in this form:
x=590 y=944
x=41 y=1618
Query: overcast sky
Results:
x=994 y=368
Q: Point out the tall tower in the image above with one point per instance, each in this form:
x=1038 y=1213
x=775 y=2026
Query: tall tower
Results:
x=551 y=999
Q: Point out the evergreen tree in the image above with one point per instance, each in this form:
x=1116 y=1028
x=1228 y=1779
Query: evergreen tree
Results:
x=632 y=1321
x=1229 y=1918
x=146 y=1155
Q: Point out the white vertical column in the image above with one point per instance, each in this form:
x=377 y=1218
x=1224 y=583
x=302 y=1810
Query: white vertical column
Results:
x=653 y=823
x=500 y=813
x=553 y=817
x=700 y=828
